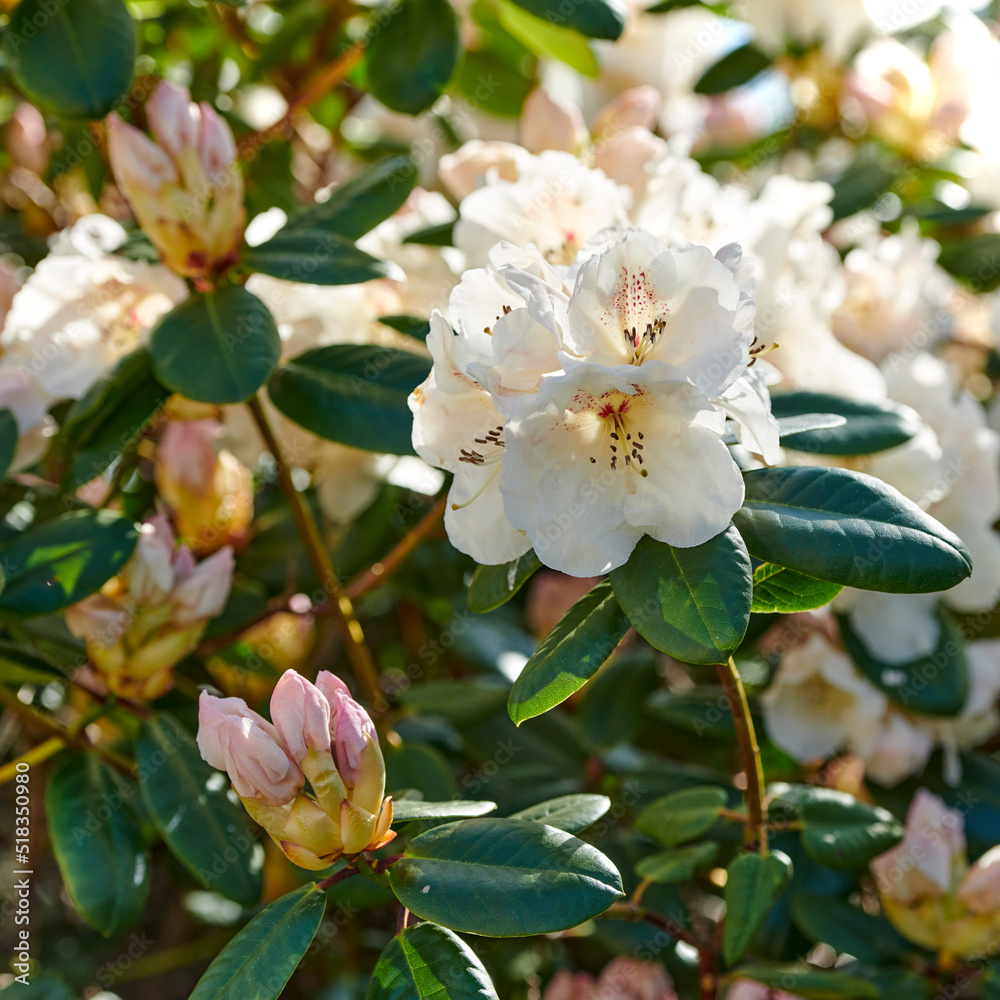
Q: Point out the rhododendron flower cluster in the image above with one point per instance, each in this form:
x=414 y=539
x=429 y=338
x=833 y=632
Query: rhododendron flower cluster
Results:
x=580 y=408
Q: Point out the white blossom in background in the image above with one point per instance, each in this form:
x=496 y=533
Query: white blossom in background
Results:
x=576 y=421
x=896 y=296
x=79 y=313
x=819 y=703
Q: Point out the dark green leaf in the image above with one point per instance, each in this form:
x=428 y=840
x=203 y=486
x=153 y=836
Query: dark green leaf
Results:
x=493 y=586
x=427 y=31
x=569 y=655
x=409 y=809
x=592 y=18
x=428 y=962
x=682 y=815
x=41 y=987
x=991 y=982
x=752 y=883
x=97 y=841
x=410 y=326
x=191 y=806
x=110 y=419
x=733 y=70
x=780 y=591
x=703 y=711
x=847 y=928
x=73 y=58
x=258 y=962
x=691 y=603
x=360 y=204
x=354 y=394
x=571 y=813
x=859 y=187
x=811 y=984
x=974 y=258
x=840 y=832
x=504 y=878
x=787 y=426
x=50 y=566
x=848 y=528
x=8 y=440
x=867 y=427
x=24 y=665
x=316 y=257
x=216 y=348
x=935 y=684
x=440 y=235
x=678 y=865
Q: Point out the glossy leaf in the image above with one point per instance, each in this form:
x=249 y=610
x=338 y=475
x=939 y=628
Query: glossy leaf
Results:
x=409 y=326
x=258 y=962
x=678 y=865
x=571 y=813
x=973 y=258
x=752 y=883
x=360 y=204
x=847 y=928
x=24 y=665
x=111 y=418
x=860 y=186
x=219 y=347
x=97 y=841
x=441 y=234
x=780 y=591
x=316 y=257
x=410 y=809
x=8 y=440
x=592 y=18
x=354 y=394
x=867 y=427
x=569 y=655
x=428 y=31
x=73 y=58
x=550 y=41
x=50 y=566
x=493 y=586
x=504 y=878
x=193 y=809
x=733 y=70
x=691 y=603
x=682 y=815
x=428 y=962
x=935 y=684
x=840 y=832
x=848 y=528
x=810 y=983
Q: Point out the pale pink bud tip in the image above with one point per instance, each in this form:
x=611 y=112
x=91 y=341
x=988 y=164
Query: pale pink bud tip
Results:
x=549 y=124
x=139 y=165
x=301 y=715
x=174 y=119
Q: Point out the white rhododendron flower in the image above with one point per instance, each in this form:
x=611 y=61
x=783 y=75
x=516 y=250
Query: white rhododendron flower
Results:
x=577 y=422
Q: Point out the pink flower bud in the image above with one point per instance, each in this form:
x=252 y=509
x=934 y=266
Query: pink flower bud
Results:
x=749 y=989
x=233 y=738
x=26 y=139
x=629 y=979
x=174 y=119
x=149 y=573
x=550 y=124
x=980 y=888
x=638 y=107
x=186 y=453
x=301 y=715
x=924 y=864
x=351 y=731
x=216 y=146
x=203 y=593
x=566 y=985
x=139 y=165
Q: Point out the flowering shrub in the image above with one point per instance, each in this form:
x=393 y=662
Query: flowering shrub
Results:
x=500 y=500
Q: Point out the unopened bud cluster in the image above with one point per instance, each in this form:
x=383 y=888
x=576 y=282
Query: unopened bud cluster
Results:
x=319 y=734
x=185 y=189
